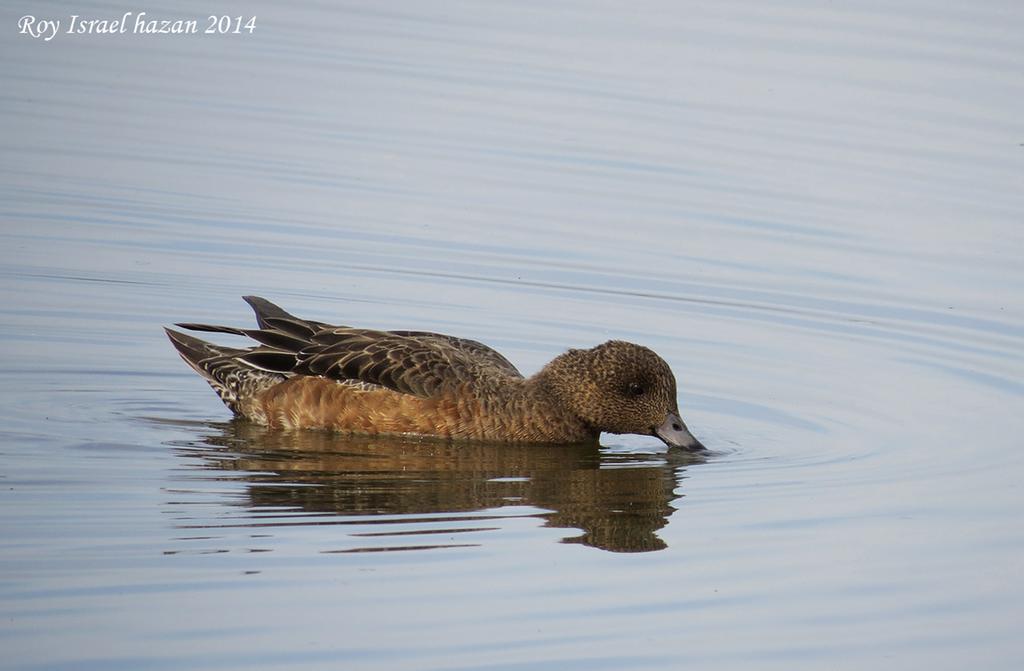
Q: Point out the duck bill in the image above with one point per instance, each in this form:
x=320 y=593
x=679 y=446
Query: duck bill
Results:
x=675 y=434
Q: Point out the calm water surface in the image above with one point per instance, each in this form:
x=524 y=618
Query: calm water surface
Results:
x=812 y=211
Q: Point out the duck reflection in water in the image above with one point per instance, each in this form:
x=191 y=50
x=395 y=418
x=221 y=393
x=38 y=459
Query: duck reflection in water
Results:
x=618 y=500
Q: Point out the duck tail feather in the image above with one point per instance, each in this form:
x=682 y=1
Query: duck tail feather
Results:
x=224 y=369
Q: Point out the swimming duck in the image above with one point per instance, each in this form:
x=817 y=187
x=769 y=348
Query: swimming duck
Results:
x=308 y=374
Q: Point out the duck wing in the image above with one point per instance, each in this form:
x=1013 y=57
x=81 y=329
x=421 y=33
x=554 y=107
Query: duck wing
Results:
x=472 y=348
x=420 y=363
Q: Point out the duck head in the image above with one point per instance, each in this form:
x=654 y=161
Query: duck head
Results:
x=620 y=387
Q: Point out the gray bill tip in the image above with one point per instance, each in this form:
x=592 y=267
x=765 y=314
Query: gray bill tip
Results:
x=675 y=434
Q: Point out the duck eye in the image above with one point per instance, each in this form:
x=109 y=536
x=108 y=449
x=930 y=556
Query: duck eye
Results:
x=635 y=389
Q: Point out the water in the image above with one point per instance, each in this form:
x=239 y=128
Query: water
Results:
x=811 y=211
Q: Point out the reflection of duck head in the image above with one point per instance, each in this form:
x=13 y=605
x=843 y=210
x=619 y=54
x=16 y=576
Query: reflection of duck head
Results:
x=618 y=500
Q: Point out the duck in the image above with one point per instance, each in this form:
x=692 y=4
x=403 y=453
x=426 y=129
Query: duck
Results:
x=305 y=374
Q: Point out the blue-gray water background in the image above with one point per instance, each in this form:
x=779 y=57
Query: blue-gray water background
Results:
x=812 y=210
